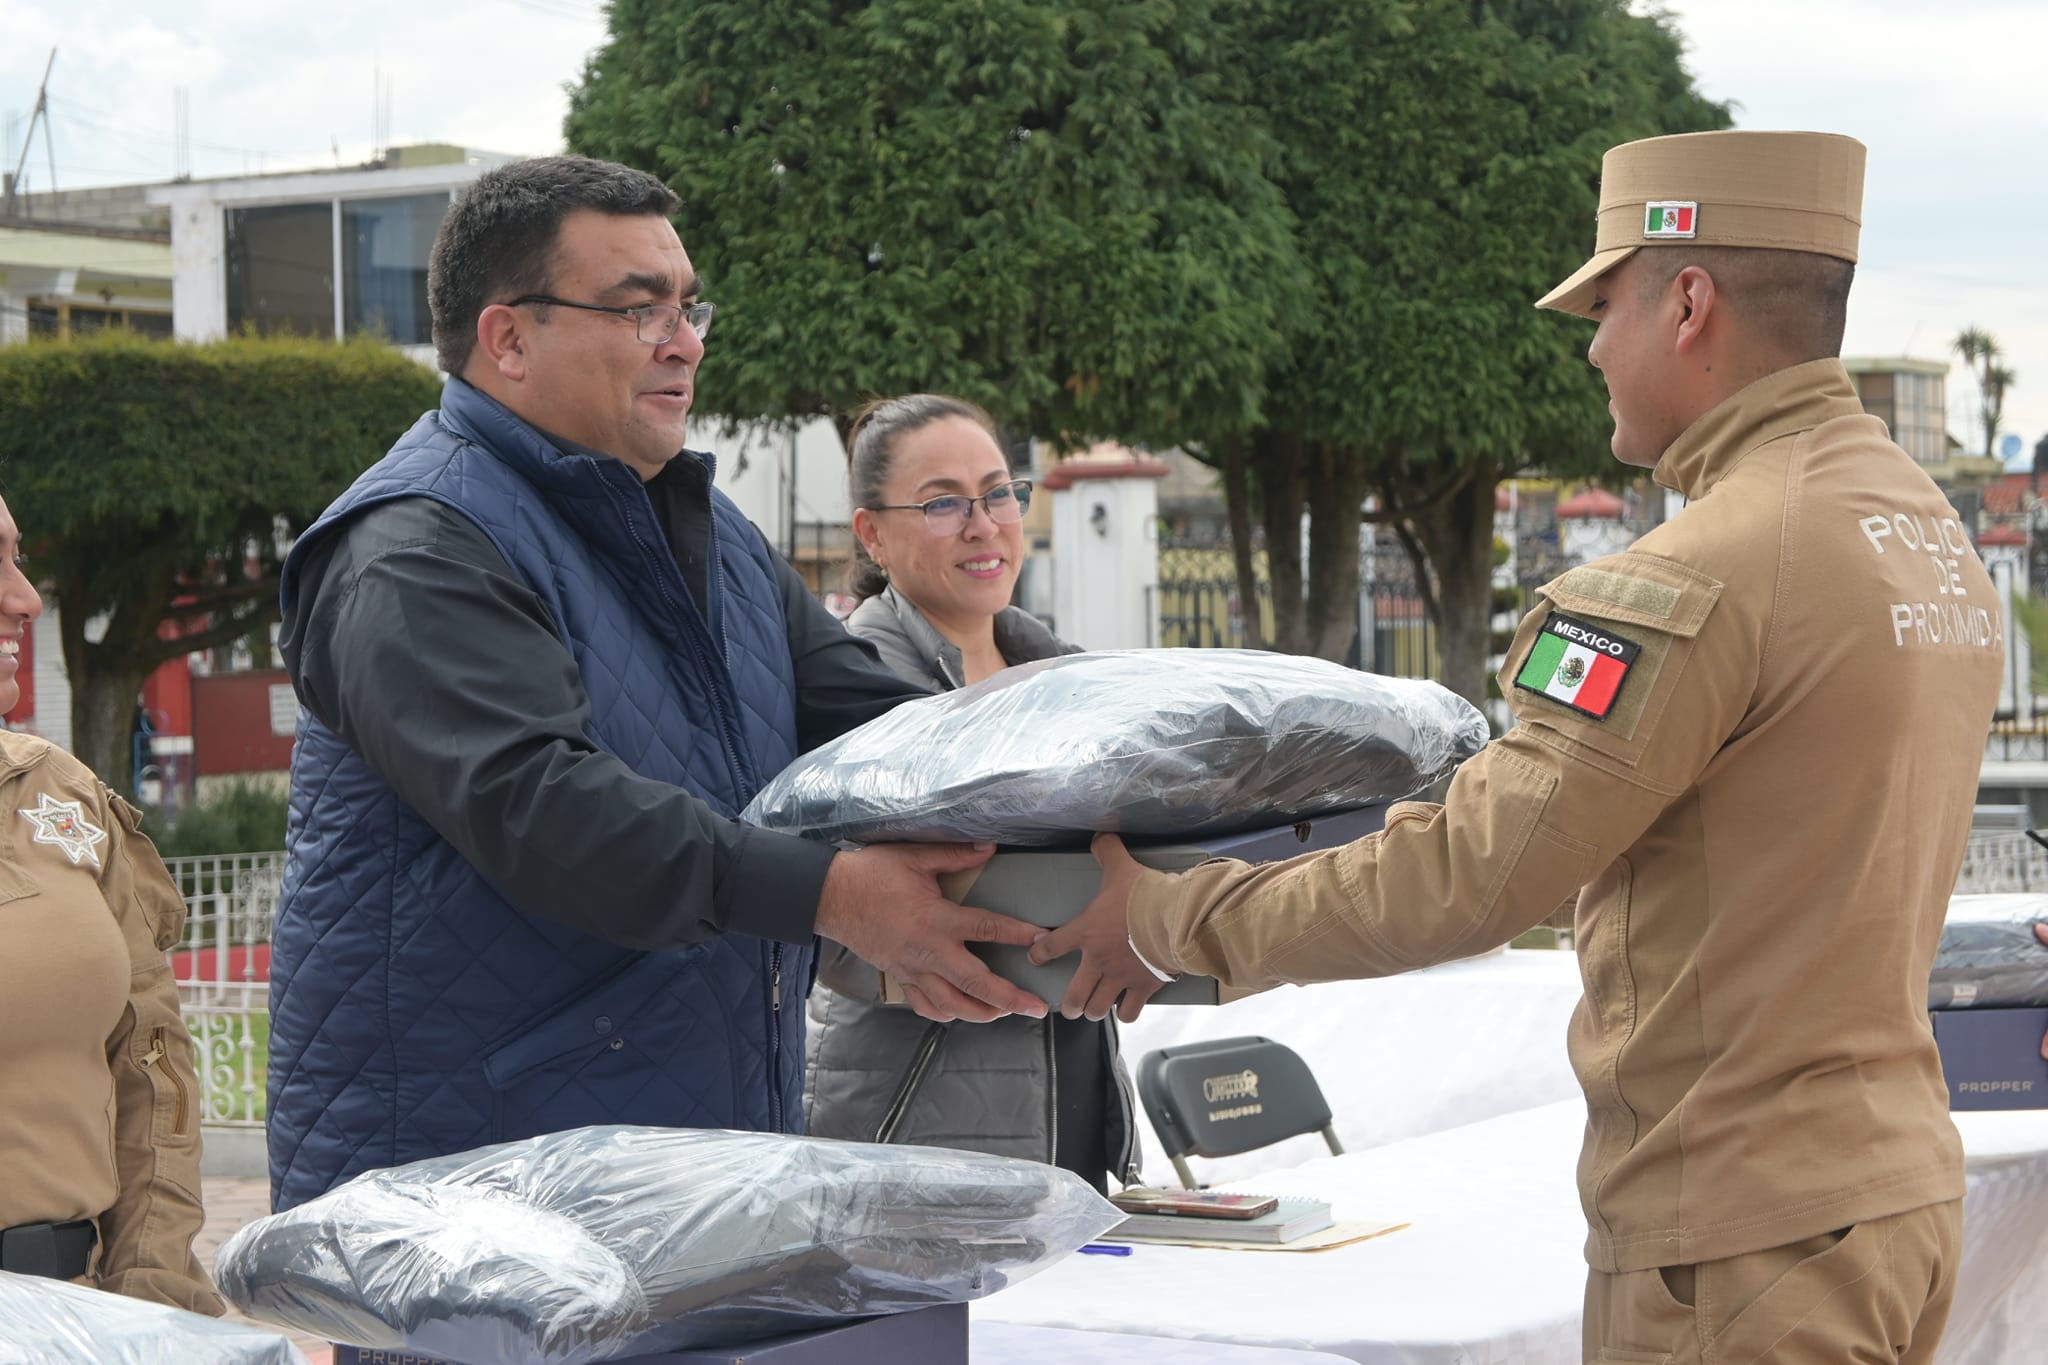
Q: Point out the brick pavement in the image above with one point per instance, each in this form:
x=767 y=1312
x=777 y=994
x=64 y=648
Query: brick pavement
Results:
x=229 y=1204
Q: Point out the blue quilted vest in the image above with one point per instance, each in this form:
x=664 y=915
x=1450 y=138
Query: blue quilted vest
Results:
x=414 y=1011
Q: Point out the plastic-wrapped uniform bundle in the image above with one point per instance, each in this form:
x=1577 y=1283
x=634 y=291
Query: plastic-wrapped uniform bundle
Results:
x=616 y=1241
x=1169 y=743
x=1989 y=957
x=55 y=1322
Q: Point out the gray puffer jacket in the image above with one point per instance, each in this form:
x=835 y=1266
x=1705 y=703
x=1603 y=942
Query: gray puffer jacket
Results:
x=879 y=1073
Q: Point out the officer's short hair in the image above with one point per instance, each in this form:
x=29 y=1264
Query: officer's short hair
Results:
x=498 y=240
x=1794 y=301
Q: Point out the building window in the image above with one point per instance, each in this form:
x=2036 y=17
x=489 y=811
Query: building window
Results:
x=62 y=318
x=339 y=267
x=281 y=269
x=384 y=248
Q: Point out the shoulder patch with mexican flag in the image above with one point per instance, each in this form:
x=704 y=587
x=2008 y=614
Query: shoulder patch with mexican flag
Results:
x=1578 y=664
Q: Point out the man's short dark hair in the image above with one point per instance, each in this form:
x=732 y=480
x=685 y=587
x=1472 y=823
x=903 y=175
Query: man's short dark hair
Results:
x=498 y=240
x=1796 y=301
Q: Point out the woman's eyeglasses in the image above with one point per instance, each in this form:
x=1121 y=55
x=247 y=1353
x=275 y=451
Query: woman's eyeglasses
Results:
x=1005 y=504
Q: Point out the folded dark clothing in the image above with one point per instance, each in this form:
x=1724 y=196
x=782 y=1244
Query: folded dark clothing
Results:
x=53 y=1322
x=1989 y=957
x=616 y=1241
x=1155 y=743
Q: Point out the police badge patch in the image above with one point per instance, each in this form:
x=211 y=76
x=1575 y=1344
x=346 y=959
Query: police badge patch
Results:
x=1578 y=664
x=63 y=824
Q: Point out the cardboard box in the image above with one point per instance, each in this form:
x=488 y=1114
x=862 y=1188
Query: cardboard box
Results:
x=926 y=1336
x=1048 y=887
x=1992 y=1057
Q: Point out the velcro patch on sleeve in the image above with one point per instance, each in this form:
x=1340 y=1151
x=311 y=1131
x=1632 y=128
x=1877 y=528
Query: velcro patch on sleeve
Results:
x=1578 y=664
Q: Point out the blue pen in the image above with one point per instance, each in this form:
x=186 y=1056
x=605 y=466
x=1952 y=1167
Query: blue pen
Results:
x=1105 y=1249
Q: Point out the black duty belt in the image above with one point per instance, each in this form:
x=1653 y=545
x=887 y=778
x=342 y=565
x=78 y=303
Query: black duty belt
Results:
x=56 y=1251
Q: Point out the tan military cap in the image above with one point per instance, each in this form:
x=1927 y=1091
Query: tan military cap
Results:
x=1788 y=191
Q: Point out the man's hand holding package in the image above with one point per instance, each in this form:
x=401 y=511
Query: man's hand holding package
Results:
x=883 y=902
x=1111 y=976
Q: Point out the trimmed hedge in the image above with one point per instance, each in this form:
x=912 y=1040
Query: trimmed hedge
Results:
x=149 y=474
x=110 y=434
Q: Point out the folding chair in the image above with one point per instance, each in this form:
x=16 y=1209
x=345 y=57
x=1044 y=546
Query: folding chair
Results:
x=1227 y=1096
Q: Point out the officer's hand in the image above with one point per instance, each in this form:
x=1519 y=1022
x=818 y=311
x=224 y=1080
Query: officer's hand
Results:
x=1110 y=970
x=2041 y=932
x=883 y=902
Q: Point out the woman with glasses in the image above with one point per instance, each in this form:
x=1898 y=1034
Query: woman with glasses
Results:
x=938 y=524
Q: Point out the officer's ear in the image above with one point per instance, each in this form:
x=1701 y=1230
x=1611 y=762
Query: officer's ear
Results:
x=1695 y=299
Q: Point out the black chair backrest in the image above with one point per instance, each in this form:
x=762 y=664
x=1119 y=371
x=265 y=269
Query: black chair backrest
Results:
x=1227 y=1096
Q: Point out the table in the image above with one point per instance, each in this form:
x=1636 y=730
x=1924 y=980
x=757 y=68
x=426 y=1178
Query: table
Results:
x=1395 y=1057
x=1492 y=1269
x=1002 y=1343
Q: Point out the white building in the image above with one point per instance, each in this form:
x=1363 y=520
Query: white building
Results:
x=317 y=253
x=57 y=279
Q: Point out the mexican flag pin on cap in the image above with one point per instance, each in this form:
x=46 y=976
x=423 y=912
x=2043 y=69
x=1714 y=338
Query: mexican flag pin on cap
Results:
x=1670 y=218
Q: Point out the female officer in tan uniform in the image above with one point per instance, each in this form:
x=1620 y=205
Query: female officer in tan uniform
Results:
x=1753 y=740
x=99 y=1131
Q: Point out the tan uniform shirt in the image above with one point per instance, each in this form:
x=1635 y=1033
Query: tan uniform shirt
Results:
x=101 y=1117
x=1767 y=827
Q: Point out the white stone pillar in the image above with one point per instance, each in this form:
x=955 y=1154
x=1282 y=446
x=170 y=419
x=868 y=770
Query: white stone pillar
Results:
x=199 y=296
x=1105 y=547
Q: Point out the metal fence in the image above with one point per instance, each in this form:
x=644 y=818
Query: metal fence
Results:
x=1198 y=605
x=2003 y=861
x=2015 y=741
x=222 y=967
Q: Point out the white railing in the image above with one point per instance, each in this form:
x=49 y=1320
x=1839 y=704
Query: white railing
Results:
x=2003 y=861
x=222 y=967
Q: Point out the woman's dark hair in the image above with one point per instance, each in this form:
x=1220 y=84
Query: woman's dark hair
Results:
x=498 y=240
x=871 y=449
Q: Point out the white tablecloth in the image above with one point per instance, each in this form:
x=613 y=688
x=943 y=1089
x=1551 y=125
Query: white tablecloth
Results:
x=1002 y=1343
x=1396 y=1057
x=1492 y=1268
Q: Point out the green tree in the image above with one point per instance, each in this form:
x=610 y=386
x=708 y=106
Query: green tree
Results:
x=1056 y=209
x=1986 y=362
x=1441 y=158
x=156 y=485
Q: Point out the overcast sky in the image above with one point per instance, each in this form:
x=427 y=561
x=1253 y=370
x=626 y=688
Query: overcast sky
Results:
x=1947 y=93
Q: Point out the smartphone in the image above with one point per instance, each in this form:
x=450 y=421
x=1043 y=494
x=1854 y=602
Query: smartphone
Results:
x=1193 y=1203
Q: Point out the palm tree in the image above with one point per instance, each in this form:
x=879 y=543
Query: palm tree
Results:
x=1981 y=355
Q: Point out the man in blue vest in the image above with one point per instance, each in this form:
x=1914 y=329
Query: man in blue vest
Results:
x=544 y=664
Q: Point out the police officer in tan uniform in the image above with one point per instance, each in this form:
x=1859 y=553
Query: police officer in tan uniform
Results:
x=99 y=1104
x=1753 y=740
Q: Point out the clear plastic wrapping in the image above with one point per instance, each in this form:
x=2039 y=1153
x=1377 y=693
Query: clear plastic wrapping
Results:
x=54 y=1322
x=616 y=1241
x=1171 y=743
x=1989 y=957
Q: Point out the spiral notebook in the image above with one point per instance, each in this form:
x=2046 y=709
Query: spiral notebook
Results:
x=1293 y=1219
